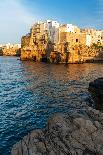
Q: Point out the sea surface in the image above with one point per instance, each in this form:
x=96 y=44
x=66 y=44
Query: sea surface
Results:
x=31 y=92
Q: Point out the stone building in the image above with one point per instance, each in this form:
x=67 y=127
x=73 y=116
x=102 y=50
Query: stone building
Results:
x=72 y=39
x=11 y=49
x=96 y=35
x=50 y=41
x=69 y=28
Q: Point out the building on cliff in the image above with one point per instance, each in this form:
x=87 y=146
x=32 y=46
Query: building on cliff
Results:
x=39 y=42
x=96 y=35
x=51 y=41
x=72 y=35
x=11 y=49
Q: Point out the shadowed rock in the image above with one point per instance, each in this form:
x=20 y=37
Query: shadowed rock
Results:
x=72 y=134
x=96 y=89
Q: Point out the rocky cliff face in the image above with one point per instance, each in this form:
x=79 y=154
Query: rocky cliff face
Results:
x=37 y=45
x=34 y=46
x=40 y=48
x=72 y=134
x=96 y=89
x=11 y=52
x=1 y=52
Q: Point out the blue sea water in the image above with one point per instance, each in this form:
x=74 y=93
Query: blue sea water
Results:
x=31 y=92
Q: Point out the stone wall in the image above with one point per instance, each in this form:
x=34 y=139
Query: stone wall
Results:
x=73 y=38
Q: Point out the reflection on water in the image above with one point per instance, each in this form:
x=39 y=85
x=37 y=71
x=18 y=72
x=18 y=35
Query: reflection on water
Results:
x=31 y=92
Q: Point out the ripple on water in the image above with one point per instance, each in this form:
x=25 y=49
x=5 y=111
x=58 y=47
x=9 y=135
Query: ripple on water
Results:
x=31 y=92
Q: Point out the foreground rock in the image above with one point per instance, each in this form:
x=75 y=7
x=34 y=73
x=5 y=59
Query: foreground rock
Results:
x=72 y=134
x=96 y=89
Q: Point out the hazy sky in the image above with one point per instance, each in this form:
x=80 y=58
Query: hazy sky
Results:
x=17 y=16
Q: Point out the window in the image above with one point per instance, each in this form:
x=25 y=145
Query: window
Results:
x=76 y=40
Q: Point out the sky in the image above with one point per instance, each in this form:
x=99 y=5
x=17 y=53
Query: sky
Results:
x=17 y=16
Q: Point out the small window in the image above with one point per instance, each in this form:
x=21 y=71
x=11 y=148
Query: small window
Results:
x=77 y=40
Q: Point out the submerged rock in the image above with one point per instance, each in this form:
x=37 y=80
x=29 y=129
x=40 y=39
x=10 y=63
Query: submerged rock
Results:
x=72 y=134
x=96 y=89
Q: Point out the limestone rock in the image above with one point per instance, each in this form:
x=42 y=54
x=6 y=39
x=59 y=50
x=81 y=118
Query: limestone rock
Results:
x=38 y=46
x=72 y=134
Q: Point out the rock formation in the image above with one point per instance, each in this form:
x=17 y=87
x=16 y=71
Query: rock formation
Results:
x=73 y=134
x=96 y=89
x=77 y=133
x=1 y=52
x=37 y=46
x=12 y=51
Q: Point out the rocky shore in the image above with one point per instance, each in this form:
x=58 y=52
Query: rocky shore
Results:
x=96 y=89
x=78 y=133
x=74 y=134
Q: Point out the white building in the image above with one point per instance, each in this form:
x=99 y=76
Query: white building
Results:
x=8 y=46
x=53 y=29
x=88 y=40
x=1 y=45
x=102 y=38
x=70 y=28
x=96 y=35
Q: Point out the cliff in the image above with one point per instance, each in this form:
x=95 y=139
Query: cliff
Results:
x=47 y=40
x=1 y=52
x=96 y=90
x=73 y=134
x=11 y=51
x=37 y=49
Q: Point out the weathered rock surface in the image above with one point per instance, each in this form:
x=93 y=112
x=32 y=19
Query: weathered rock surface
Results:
x=96 y=89
x=12 y=52
x=1 y=52
x=72 y=134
